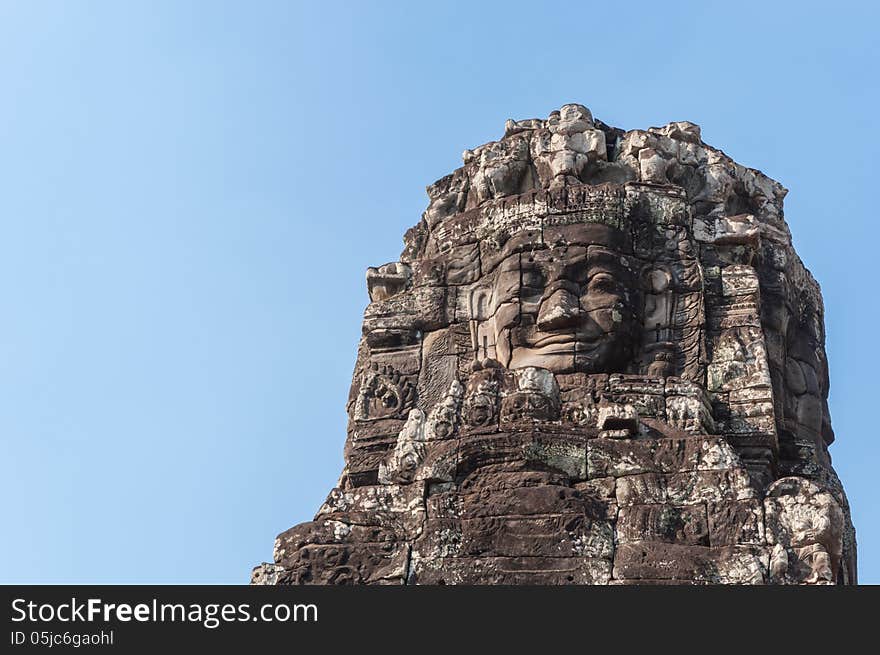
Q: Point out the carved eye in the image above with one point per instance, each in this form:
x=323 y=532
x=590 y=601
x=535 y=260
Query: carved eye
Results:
x=532 y=286
x=532 y=278
x=603 y=282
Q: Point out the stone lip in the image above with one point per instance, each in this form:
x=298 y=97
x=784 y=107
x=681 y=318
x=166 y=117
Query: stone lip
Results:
x=599 y=360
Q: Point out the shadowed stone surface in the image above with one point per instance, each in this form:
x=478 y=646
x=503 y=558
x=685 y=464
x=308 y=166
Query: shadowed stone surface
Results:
x=598 y=361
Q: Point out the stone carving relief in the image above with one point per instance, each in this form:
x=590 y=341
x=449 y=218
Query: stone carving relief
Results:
x=444 y=418
x=659 y=346
x=564 y=155
x=384 y=393
x=599 y=360
x=481 y=398
x=409 y=451
x=564 y=308
x=534 y=396
x=805 y=527
x=500 y=168
x=617 y=421
x=689 y=414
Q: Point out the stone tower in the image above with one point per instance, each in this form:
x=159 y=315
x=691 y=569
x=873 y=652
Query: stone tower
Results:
x=599 y=360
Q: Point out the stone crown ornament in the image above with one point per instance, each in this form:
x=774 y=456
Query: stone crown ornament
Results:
x=599 y=360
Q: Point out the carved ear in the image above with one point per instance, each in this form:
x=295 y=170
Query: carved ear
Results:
x=657 y=280
x=480 y=304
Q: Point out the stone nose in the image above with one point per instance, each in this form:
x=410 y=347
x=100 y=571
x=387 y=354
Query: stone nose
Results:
x=559 y=310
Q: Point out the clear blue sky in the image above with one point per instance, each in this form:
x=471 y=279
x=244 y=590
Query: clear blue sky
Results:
x=191 y=192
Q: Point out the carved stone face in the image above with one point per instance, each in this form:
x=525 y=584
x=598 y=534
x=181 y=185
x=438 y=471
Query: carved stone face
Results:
x=563 y=308
x=481 y=399
x=570 y=311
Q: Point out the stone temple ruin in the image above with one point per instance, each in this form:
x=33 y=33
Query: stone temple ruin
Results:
x=599 y=360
